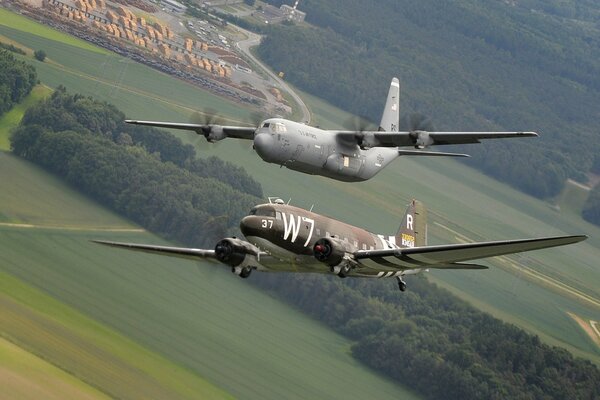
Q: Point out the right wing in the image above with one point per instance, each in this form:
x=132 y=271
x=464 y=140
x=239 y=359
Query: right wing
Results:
x=212 y=132
x=451 y=255
x=181 y=252
x=420 y=139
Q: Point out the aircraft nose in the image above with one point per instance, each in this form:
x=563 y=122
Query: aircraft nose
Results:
x=264 y=144
x=250 y=225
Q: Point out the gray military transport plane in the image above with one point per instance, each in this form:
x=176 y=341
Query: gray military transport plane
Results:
x=349 y=156
x=284 y=238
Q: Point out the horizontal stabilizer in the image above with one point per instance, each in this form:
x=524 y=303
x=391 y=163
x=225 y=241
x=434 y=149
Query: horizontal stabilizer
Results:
x=459 y=266
x=180 y=252
x=403 y=152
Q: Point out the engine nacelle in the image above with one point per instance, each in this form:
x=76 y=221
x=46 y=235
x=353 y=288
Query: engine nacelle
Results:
x=421 y=139
x=233 y=251
x=331 y=251
x=214 y=133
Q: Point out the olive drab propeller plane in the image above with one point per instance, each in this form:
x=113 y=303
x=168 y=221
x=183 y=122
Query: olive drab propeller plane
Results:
x=349 y=156
x=284 y=238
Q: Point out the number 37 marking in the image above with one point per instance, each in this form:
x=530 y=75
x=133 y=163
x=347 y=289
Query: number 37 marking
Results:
x=267 y=223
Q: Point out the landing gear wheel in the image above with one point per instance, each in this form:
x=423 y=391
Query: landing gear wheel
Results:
x=245 y=272
x=242 y=272
x=401 y=284
x=344 y=271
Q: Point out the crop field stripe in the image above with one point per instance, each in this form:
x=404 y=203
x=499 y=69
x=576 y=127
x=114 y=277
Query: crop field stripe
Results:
x=16 y=21
x=24 y=375
x=48 y=202
x=137 y=92
x=91 y=352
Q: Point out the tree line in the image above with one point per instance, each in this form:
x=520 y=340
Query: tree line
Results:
x=468 y=65
x=145 y=174
x=16 y=80
x=434 y=343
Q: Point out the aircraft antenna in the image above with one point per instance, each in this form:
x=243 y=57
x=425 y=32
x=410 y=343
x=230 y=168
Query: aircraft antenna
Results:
x=311 y=207
x=288 y=203
x=291 y=15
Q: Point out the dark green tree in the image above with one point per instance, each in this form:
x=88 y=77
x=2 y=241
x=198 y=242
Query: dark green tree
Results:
x=39 y=55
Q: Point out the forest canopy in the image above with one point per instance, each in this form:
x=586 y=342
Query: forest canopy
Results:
x=16 y=80
x=145 y=174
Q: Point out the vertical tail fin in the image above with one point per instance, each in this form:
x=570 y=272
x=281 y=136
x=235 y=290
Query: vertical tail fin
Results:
x=390 y=118
x=413 y=230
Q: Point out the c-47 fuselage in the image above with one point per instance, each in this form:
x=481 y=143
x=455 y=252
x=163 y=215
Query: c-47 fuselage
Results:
x=280 y=237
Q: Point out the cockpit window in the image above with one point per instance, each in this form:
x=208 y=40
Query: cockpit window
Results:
x=264 y=212
x=278 y=127
x=266 y=125
x=252 y=212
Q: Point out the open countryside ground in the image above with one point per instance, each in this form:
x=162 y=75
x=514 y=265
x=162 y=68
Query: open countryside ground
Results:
x=477 y=206
x=84 y=353
x=202 y=319
x=26 y=376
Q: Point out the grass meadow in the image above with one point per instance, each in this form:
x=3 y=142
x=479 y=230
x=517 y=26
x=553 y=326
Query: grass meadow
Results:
x=226 y=331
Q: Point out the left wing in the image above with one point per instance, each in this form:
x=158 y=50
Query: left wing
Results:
x=212 y=132
x=450 y=255
x=181 y=252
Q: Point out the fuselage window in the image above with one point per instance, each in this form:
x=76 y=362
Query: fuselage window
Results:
x=364 y=246
x=318 y=232
x=327 y=234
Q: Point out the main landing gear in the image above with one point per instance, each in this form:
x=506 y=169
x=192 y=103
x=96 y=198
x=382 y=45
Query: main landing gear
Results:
x=401 y=284
x=341 y=271
x=242 y=272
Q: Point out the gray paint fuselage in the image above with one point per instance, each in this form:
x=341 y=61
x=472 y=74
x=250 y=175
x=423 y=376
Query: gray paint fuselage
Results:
x=317 y=152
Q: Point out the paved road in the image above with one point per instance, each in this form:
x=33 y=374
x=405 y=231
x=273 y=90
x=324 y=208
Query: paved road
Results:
x=254 y=40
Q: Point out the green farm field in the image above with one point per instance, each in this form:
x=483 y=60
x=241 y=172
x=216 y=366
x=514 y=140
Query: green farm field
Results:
x=12 y=118
x=179 y=325
x=534 y=291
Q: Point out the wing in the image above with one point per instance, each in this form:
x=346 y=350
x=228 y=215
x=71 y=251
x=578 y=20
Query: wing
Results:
x=450 y=256
x=212 y=132
x=420 y=139
x=181 y=252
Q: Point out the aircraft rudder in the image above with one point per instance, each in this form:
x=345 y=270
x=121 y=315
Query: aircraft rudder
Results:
x=413 y=229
